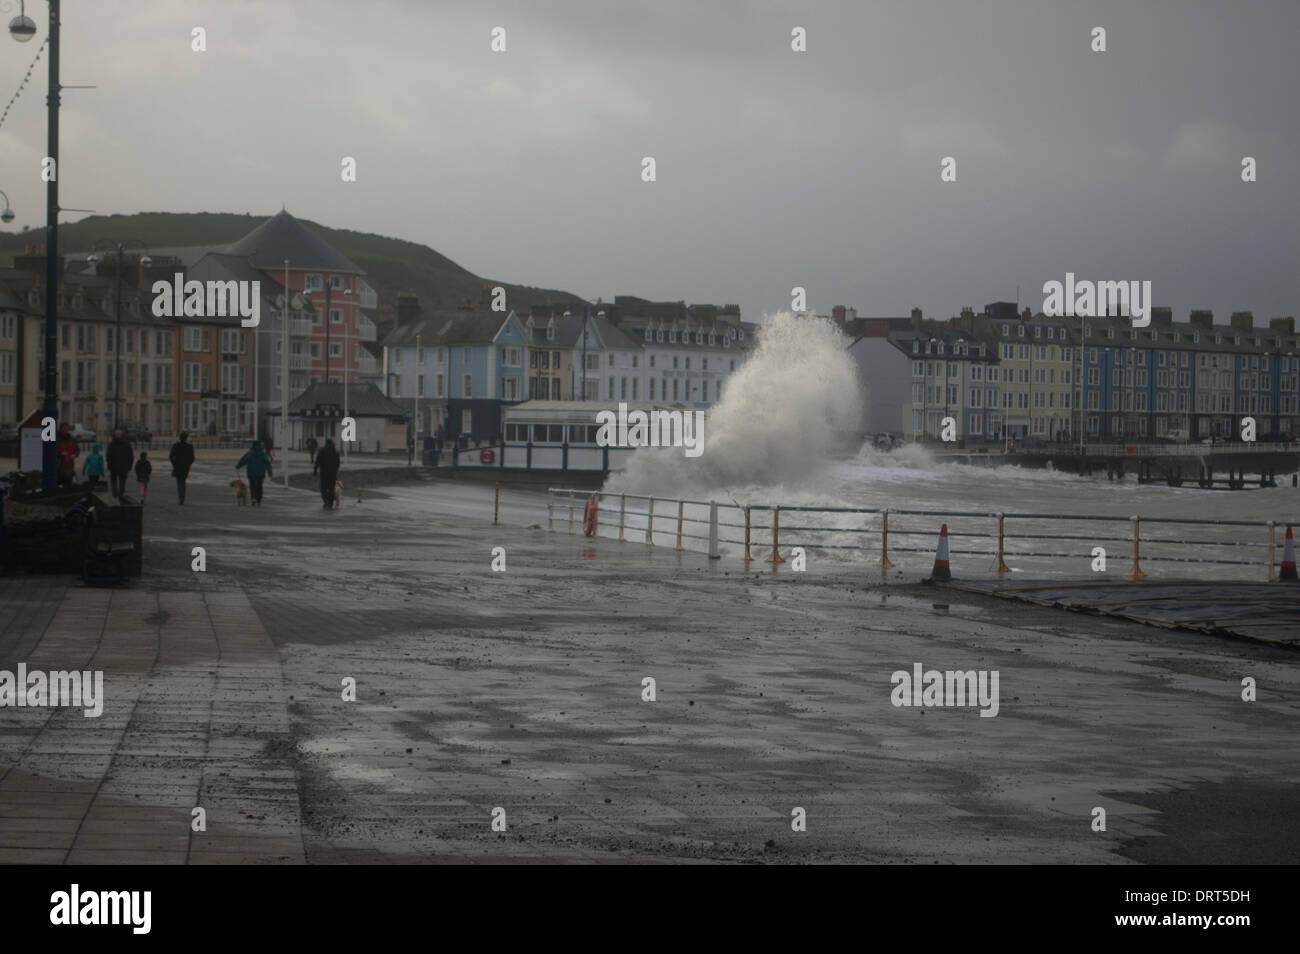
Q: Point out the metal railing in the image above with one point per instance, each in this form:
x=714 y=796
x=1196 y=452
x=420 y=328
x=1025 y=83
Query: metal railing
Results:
x=996 y=543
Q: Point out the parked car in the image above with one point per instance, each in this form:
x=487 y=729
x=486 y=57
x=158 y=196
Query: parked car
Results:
x=81 y=434
x=135 y=432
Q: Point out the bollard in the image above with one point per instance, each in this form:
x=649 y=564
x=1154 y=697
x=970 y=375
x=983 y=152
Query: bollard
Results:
x=1002 y=566
x=1272 y=548
x=1137 y=570
x=679 y=546
x=650 y=525
x=885 y=563
x=713 y=532
x=550 y=516
x=776 y=534
x=748 y=558
x=496 y=506
x=570 y=515
x=622 y=517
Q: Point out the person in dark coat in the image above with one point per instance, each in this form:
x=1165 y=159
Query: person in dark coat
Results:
x=120 y=457
x=143 y=471
x=311 y=448
x=327 y=465
x=182 y=459
x=258 y=465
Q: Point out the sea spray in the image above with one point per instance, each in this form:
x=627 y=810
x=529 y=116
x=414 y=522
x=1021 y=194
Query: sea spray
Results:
x=782 y=416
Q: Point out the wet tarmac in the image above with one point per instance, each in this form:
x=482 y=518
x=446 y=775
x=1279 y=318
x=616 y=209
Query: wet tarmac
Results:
x=525 y=690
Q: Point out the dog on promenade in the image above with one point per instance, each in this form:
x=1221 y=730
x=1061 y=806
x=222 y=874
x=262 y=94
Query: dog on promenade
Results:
x=241 y=492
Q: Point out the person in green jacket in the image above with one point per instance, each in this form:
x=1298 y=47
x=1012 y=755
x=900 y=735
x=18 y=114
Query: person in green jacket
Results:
x=258 y=465
x=93 y=467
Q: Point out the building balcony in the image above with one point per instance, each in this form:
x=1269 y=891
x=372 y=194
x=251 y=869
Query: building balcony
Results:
x=301 y=327
x=300 y=362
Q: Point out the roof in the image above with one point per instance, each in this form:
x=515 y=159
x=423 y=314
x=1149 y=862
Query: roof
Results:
x=219 y=266
x=283 y=237
x=363 y=400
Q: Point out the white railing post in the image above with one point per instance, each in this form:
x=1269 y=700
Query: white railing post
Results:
x=713 y=531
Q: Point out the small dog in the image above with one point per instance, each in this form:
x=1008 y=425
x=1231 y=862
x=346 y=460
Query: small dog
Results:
x=338 y=493
x=241 y=492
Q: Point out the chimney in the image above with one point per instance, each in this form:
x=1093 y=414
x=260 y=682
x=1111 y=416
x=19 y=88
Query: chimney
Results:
x=1242 y=321
x=33 y=260
x=1162 y=317
x=916 y=317
x=408 y=308
x=1202 y=319
x=838 y=313
x=1284 y=326
x=1026 y=315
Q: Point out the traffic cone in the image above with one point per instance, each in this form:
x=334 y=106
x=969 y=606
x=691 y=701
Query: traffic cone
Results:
x=941 y=572
x=1288 y=558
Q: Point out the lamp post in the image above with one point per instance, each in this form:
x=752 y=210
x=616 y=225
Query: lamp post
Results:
x=7 y=215
x=145 y=261
x=22 y=29
x=418 y=361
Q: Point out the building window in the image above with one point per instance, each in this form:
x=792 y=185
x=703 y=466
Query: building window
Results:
x=336 y=349
x=336 y=282
x=312 y=282
x=336 y=316
x=467 y=389
x=191 y=376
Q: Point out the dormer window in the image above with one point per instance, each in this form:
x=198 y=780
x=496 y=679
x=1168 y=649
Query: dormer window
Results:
x=1006 y=331
x=712 y=340
x=659 y=336
x=672 y=337
x=1218 y=339
x=1050 y=332
x=1110 y=334
x=699 y=337
x=1020 y=331
x=1236 y=339
x=1196 y=337
x=1038 y=332
x=726 y=341
x=916 y=346
x=647 y=332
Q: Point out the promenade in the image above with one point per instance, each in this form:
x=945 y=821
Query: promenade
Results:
x=523 y=690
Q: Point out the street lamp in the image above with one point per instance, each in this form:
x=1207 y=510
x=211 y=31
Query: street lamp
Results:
x=22 y=29
x=8 y=214
x=145 y=261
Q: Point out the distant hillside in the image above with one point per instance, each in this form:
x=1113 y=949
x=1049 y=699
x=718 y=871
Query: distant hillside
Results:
x=391 y=265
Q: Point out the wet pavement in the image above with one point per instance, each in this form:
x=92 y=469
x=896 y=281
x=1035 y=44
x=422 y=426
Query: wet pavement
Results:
x=523 y=690
x=1268 y=612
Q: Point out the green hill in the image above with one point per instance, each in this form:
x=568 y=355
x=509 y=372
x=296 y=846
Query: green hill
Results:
x=391 y=265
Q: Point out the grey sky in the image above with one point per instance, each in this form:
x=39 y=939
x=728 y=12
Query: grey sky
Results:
x=775 y=168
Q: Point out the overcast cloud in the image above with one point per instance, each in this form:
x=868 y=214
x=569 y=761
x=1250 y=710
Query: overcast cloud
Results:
x=775 y=168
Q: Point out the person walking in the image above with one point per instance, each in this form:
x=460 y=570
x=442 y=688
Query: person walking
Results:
x=327 y=465
x=257 y=465
x=120 y=458
x=182 y=459
x=65 y=453
x=93 y=466
x=143 y=471
x=311 y=448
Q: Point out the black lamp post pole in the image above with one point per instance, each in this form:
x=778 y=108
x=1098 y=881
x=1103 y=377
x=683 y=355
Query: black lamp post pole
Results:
x=117 y=340
x=51 y=407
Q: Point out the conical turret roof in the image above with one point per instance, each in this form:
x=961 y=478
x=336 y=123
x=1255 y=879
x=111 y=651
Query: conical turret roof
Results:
x=283 y=237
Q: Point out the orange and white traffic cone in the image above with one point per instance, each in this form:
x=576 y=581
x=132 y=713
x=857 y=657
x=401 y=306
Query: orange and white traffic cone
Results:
x=941 y=572
x=1288 y=558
